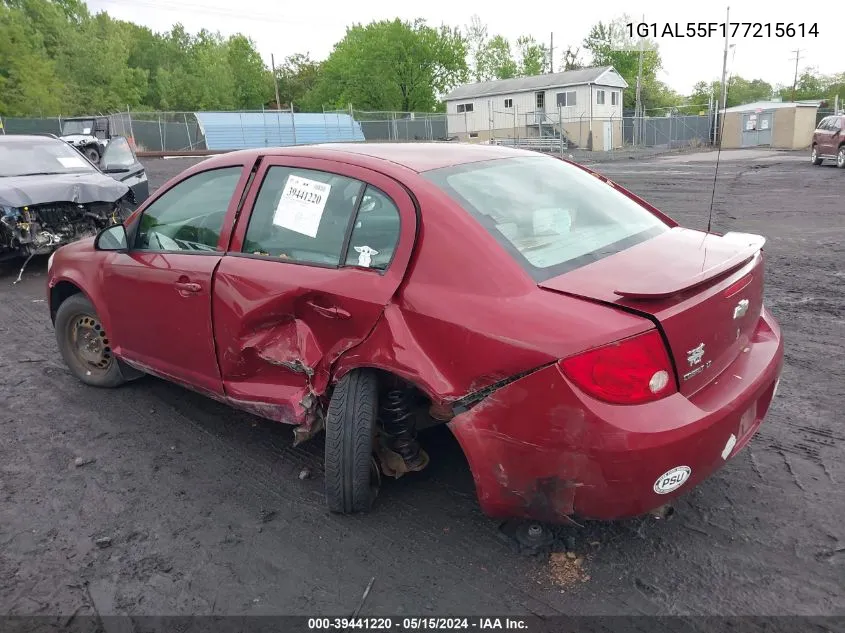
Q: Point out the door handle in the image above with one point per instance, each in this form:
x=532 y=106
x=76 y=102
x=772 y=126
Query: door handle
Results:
x=331 y=313
x=188 y=286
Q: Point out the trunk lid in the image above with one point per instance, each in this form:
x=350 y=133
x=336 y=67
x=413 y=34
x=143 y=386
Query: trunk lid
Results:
x=705 y=291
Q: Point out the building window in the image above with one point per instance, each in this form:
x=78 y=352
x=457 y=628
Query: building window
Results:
x=473 y=134
x=600 y=97
x=541 y=100
x=566 y=99
x=508 y=103
x=614 y=98
x=464 y=107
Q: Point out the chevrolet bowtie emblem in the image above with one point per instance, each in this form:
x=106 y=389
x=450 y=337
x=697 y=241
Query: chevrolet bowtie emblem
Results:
x=740 y=309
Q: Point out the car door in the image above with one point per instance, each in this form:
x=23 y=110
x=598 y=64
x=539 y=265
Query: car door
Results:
x=120 y=162
x=824 y=136
x=835 y=135
x=306 y=277
x=159 y=291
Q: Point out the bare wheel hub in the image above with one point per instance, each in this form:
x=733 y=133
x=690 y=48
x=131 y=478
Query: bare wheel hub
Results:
x=90 y=343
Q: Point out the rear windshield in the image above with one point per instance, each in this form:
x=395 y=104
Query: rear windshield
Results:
x=552 y=217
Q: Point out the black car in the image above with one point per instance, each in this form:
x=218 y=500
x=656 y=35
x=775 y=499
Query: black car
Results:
x=51 y=194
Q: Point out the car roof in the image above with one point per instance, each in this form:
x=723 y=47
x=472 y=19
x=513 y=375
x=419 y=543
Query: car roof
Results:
x=418 y=157
x=19 y=138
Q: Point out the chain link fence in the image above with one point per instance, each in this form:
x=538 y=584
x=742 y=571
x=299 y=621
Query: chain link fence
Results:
x=399 y=126
x=184 y=131
x=563 y=130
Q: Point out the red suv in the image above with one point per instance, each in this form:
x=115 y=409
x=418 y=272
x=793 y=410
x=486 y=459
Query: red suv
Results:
x=829 y=141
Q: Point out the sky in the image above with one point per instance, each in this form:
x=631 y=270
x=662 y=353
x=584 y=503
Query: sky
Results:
x=282 y=28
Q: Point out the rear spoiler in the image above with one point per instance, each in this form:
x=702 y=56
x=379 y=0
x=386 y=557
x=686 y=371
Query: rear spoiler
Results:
x=656 y=286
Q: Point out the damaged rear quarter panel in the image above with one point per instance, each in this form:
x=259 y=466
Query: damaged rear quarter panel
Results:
x=527 y=445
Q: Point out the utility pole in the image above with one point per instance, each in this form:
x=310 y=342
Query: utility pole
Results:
x=725 y=61
x=724 y=96
x=638 y=106
x=276 y=82
x=795 y=80
x=552 y=54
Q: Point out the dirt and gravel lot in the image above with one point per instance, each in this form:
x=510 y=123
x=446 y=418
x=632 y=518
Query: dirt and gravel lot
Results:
x=184 y=506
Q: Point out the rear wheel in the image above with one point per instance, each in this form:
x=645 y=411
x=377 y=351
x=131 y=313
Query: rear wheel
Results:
x=814 y=156
x=84 y=344
x=840 y=157
x=352 y=473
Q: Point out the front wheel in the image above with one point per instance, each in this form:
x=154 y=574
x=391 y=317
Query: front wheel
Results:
x=814 y=156
x=93 y=155
x=840 y=157
x=352 y=474
x=84 y=344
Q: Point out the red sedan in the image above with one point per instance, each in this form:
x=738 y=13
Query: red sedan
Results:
x=593 y=358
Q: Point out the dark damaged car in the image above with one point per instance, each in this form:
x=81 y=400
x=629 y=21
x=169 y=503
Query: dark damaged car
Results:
x=593 y=358
x=50 y=194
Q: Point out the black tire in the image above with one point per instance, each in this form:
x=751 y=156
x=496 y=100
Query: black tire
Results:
x=95 y=365
x=351 y=472
x=840 y=157
x=93 y=154
x=814 y=156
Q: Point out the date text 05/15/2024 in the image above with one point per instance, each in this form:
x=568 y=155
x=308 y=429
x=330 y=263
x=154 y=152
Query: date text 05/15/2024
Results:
x=722 y=29
x=418 y=624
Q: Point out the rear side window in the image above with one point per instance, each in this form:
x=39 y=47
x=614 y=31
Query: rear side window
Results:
x=550 y=216
x=376 y=231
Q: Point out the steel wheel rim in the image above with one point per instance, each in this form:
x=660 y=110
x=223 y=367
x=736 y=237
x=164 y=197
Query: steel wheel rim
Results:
x=813 y=155
x=90 y=344
x=840 y=160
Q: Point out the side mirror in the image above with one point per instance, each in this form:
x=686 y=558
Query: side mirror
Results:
x=112 y=238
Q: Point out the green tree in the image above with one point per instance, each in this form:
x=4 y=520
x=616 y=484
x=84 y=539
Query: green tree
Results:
x=394 y=65
x=251 y=79
x=533 y=56
x=609 y=45
x=476 y=43
x=28 y=81
x=298 y=77
x=740 y=91
x=496 y=60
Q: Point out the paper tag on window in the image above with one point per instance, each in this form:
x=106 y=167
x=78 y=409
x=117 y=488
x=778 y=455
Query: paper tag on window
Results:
x=365 y=255
x=301 y=206
x=71 y=161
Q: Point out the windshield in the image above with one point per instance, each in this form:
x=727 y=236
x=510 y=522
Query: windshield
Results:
x=552 y=217
x=24 y=156
x=78 y=127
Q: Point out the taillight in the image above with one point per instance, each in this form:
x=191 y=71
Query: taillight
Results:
x=632 y=371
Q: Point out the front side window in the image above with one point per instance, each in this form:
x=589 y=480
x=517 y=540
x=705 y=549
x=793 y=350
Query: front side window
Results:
x=550 y=216
x=189 y=216
x=118 y=154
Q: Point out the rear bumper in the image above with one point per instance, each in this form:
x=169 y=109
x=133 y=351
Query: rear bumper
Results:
x=539 y=448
